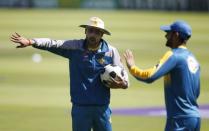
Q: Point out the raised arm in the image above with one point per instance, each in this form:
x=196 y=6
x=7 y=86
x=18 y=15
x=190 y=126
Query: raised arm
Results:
x=166 y=63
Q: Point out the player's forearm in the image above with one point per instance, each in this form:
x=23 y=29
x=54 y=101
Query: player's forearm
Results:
x=143 y=75
x=62 y=44
x=46 y=42
x=135 y=71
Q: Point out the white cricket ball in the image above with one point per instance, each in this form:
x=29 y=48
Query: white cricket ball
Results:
x=37 y=58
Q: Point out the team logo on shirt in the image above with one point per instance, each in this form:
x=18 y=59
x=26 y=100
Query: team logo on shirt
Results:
x=192 y=64
x=101 y=60
x=101 y=57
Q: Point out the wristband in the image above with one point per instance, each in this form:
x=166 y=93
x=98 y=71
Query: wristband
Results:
x=30 y=43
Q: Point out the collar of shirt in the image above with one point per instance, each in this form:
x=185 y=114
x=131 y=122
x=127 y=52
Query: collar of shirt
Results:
x=182 y=46
x=102 y=48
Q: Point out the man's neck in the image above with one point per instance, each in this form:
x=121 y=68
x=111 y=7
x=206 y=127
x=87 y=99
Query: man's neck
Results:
x=94 y=47
x=180 y=45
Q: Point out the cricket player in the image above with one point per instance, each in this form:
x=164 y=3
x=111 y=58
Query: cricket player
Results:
x=87 y=58
x=181 y=72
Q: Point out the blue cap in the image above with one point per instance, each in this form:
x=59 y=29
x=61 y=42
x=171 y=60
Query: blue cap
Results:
x=179 y=26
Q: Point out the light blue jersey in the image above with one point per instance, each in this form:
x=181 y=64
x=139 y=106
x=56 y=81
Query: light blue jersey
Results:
x=181 y=73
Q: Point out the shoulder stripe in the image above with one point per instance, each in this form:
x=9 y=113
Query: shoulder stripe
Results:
x=165 y=57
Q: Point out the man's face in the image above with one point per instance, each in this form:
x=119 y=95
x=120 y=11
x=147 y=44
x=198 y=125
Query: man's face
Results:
x=93 y=35
x=171 y=39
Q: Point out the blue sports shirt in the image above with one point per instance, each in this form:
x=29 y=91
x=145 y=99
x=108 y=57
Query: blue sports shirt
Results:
x=85 y=67
x=181 y=73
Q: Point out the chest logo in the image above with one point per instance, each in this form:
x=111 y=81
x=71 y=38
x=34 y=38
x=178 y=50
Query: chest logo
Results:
x=101 y=60
x=192 y=64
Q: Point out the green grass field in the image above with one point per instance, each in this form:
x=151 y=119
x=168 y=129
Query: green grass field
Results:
x=35 y=96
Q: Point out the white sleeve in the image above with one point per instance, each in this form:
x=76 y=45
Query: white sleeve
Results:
x=63 y=44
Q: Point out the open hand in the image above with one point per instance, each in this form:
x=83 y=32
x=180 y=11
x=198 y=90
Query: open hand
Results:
x=23 y=42
x=128 y=55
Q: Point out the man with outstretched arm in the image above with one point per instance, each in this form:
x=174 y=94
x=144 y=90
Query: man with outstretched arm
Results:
x=87 y=59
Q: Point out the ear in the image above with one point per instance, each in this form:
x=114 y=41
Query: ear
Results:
x=177 y=35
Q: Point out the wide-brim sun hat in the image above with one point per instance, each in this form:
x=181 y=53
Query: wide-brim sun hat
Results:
x=180 y=26
x=97 y=23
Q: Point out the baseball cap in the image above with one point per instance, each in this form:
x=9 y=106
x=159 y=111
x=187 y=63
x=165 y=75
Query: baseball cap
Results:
x=180 y=26
x=97 y=23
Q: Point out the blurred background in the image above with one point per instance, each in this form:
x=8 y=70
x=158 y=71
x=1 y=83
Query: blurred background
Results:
x=178 y=5
x=34 y=84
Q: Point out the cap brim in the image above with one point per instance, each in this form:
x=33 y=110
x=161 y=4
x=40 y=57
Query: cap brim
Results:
x=165 y=28
x=103 y=30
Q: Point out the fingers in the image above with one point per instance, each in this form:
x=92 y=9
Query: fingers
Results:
x=12 y=40
x=116 y=84
x=15 y=38
x=125 y=56
x=17 y=34
x=129 y=53
x=17 y=41
x=116 y=81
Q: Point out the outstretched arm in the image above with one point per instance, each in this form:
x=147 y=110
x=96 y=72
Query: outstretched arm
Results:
x=46 y=42
x=43 y=44
x=59 y=47
x=166 y=63
x=22 y=41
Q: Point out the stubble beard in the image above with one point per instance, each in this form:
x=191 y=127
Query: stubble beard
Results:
x=169 y=43
x=92 y=42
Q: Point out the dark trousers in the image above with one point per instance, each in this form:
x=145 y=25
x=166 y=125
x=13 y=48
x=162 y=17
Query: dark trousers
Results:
x=85 y=118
